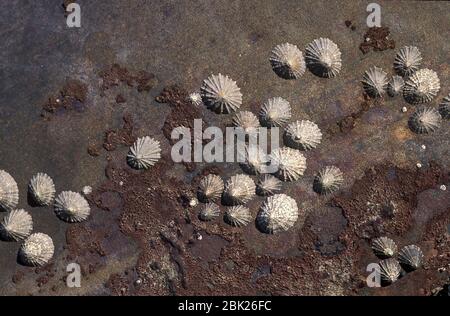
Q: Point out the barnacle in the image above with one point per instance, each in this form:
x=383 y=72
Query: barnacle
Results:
x=221 y=94
x=328 y=180
x=275 y=112
x=278 y=213
x=290 y=162
x=421 y=87
x=9 y=193
x=375 y=82
x=395 y=86
x=425 y=120
x=42 y=189
x=303 y=135
x=17 y=225
x=390 y=270
x=209 y=212
x=37 y=250
x=287 y=61
x=239 y=189
x=210 y=188
x=323 y=57
x=444 y=108
x=71 y=207
x=144 y=153
x=238 y=216
x=268 y=185
x=411 y=257
x=407 y=60
x=384 y=247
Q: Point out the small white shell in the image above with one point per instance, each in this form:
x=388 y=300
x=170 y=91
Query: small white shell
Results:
x=275 y=112
x=9 y=193
x=395 y=86
x=328 y=180
x=37 y=250
x=323 y=57
x=287 y=61
x=42 y=189
x=384 y=247
x=144 y=153
x=238 y=216
x=255 y=160
x=407 y=60
x=390 y=270
x=444 y=108
x=239 y=189
x=17 y=225
x=278 y=213
x=268 y=185
x=247 y=120
x=422 y=86
x=411 y=257
x=71 y=207
x=195 y=98
x=425 y=120
x=209 y=212
x=86 y=190
x=304 y=135
x=375 y=82
x=210 y=188
x=221 y=94
x=291 y=163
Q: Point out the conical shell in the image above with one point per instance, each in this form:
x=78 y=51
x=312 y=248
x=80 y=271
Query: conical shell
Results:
x=144 y=153
x=390 y=270
x=384 y=247
x=275 y=112
x=71 y=207
x=411 y=257
x=375 y=82
x=425 y=120
x=210 y=188
x=407 y=60
x=238 y=216
x=304 y=135
x=17 y=225
x=9 y=193
x=444 y=108
x=255 y=160
x=421 y=87
x=278 y=213
x=290 y=162
x=239 y=189
x=195 y=98
x=328 y=180
x=37 y=250
x=323 y=58
x=221 y=94
x=268 y=185
x=209 y=212
x=395 y=86
x=287 y=61
x=42 y=189
x=247 y=120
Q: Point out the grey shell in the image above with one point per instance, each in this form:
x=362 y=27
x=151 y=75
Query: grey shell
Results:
x=144 y=153
x=42 y=189
x=275 y=112
x=304 y=135
x=390 y=270
x=395 y=86
x=291 y=163
x=238 y=216
x=287 y=61
x=444 y=108
x=421 y=87
x=239 y=189
x=37 y=250
x=268 y=185
x=323 y=58
x=425 y=120
x=407 y=60
x=210 y=188
x=384 y=247
x=9 y=192
x=328 y=180
x=221 y=94
x=209 y=212
x=71 y=207
x=375 y=82
x=17 y=225
x=411 y=257
x=278 y=213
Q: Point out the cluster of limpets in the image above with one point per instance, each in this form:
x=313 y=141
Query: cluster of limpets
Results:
x=17 y=225
x=222 y=95
x=417 y=85
x=394 y=264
